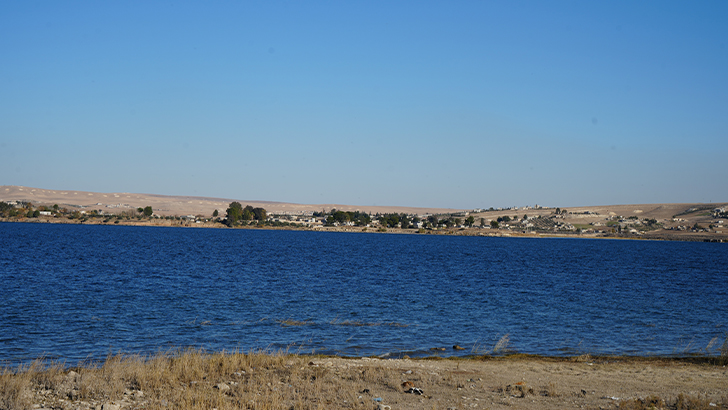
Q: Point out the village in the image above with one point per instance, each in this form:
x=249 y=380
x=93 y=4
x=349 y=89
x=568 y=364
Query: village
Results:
x=701 y=222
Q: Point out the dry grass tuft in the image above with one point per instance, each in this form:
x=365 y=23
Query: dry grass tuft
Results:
x=501 y=347
x=15 y=389
x=681 y=402
x=550 y=391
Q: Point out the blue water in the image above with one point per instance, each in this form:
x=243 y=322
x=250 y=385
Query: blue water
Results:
x=75 y=292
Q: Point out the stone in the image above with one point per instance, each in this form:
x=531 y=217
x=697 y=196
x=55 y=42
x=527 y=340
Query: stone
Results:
x=223 y=387
x=109 y=406
x=458 y=347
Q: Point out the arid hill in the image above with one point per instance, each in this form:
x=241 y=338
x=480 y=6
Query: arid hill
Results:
x=114 y=202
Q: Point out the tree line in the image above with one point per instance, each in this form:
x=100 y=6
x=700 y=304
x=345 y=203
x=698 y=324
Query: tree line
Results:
x=237 y=214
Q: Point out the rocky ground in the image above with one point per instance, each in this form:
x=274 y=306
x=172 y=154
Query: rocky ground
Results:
x=237 y=381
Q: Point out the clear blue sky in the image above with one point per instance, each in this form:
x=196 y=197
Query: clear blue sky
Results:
x=442 y=104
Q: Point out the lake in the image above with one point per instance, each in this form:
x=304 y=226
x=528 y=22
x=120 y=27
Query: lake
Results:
x=76 y=292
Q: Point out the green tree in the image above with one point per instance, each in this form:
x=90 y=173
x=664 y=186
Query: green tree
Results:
x=470 y=221
x=361 y=218
x=247 y=213
x=5 y=208
x=259 y=214
x=404 y=221
x=234 y=213
x=148 y=211
x=494 y=224
x=389 y=220
x=215 y=213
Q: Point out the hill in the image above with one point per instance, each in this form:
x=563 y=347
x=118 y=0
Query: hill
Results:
x=114 y=202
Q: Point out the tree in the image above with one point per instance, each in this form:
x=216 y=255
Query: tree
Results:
x=215 y=213
x=234 y=213
x=5 y=208
x=259 y=214
x=494 y=224
x=470 y=221
x=247 y=214
x=389 y=220
x=148 y=211
x=404 y=221
x=140 y=209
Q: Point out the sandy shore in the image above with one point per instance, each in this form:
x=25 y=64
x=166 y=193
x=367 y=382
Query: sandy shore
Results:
x=262 y=381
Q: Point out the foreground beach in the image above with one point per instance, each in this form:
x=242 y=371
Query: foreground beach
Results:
x=194 y=380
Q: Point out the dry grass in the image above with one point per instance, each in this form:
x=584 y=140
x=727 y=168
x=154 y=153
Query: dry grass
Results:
x=681 y=402
x=501 y=347
x=185 y=380
x=194 y=379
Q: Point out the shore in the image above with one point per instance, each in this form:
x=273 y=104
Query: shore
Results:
x=195 y=380
x=661 y=235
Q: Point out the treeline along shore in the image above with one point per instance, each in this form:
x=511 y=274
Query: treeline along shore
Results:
x=699 y=225
x=687 y=222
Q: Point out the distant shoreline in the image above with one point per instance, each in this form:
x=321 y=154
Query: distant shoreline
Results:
x=670 y=221
x=473 y=232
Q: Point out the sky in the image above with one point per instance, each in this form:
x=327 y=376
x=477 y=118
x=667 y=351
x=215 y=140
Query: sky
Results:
x=457 y=104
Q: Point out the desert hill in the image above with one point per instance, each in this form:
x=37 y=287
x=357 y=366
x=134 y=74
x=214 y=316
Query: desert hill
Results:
x=116 y=202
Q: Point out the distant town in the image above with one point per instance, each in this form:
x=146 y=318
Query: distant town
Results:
x=695 y=222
